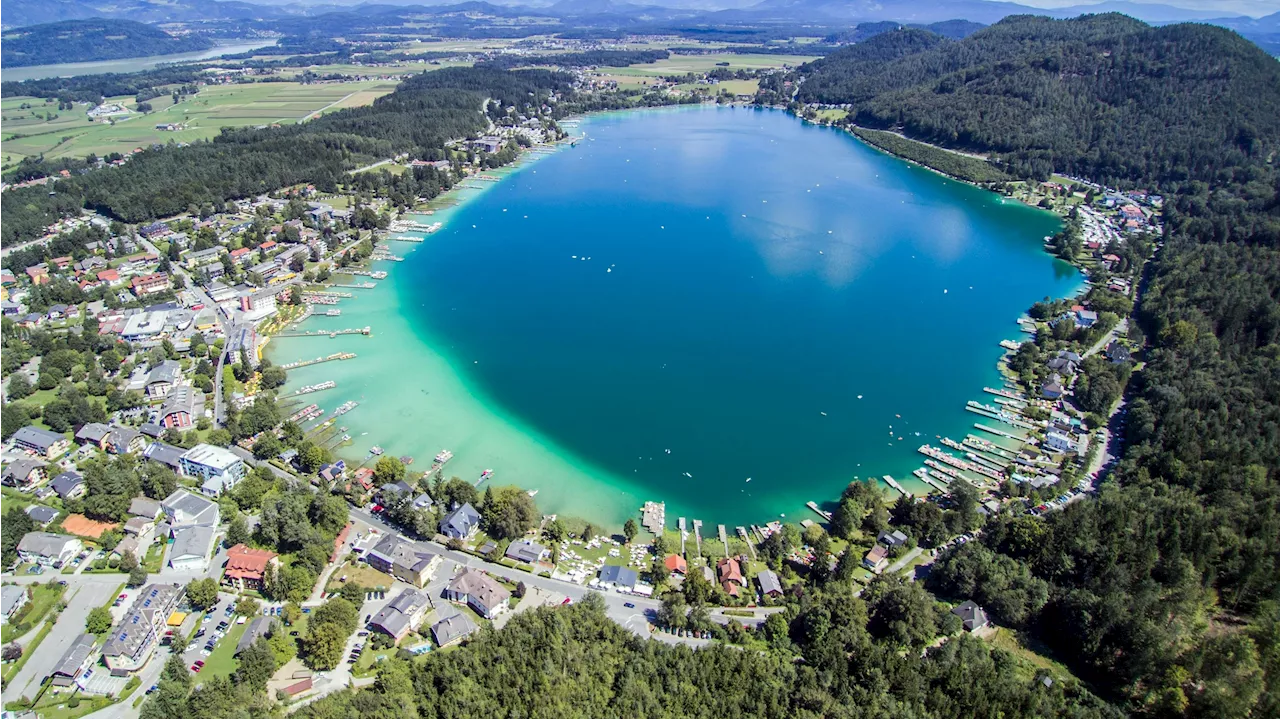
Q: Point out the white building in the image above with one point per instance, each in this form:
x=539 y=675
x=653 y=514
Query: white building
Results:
x=220 y=468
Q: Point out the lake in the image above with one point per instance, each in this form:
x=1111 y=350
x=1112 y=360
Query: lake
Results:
x=728 y=310
x=132 y=64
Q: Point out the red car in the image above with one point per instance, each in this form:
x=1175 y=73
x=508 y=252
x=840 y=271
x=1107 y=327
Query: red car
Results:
x=200 y=663
x=195 y=668
x=376 y=508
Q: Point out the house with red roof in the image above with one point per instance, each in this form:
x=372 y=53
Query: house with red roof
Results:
x=246 y=567
x=149 y=284
x=109 y=276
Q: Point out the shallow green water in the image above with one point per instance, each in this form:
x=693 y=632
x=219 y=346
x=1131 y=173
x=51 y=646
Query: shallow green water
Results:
x=759 y=299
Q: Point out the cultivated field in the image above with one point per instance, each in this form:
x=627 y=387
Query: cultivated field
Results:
x=30 y=131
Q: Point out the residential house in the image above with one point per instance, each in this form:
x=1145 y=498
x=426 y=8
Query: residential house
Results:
x=258 y=628
x=149 y=284
x=1118 y=353
x=182 y=408
x=892 y=539
x=151 y=430
x=405 y=560
x=972 y=615
x=24 y=474
x=155 y=229
x=461 y=523
x=478 y=591
x=333 y=472
x=676 y=564
x=451 y=630
x=132 y=641
x=163 y=378
x=1083 y=317
x=109 y=276
x=246 y=568
x=191 y=547
x=183 y=509
x=40 y=442
x=623 y=579
x=402 y=614
x=147 y=509
x=12 y=599
x=1052 y=387
x=79 y=657
x=1056 y=441
x=220 y=468
x=877 y=559
x=770 y=585
x=729 y=575
x=526 y=551
x=125 y=440
x=41 y=514
x=68 y=485
x=165 y=454
x=94 y=433
x=1061 y=365
x=47 y=549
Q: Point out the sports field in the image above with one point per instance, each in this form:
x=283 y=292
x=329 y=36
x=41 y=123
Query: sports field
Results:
x=29 y=131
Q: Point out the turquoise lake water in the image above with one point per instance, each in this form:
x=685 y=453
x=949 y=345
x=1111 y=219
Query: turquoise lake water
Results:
x=687 y=299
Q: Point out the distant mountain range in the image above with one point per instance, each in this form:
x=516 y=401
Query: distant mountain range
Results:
x=226 y=16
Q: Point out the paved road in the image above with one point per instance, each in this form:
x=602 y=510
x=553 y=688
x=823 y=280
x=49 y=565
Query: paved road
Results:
x=82 y=598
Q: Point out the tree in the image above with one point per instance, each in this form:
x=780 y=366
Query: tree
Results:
x=672 y=612
x=178 y=643
x=98 y=621
x=237 y=531
x=508 y=512
x=629 y=529
x=15 y=525
x=697 y=590
x=458 y=492
x=137 y=576
x=388 y=469
x=324 y=644
x=247 y=606
x=256 y=665
x=19 y=387
x=202 y=593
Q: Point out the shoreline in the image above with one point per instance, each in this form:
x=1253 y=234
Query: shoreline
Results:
x=458 y=198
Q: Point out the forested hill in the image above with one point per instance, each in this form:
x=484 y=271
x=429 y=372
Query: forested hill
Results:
x=91 y=40
x=1164 y=591
x=1101 y=96
x=422 y=114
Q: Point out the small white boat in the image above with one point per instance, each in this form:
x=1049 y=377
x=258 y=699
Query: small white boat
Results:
x=690 y=476
x=532 y=493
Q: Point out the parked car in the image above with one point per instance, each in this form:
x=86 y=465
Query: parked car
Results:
x=195 y=668
x=629 y=605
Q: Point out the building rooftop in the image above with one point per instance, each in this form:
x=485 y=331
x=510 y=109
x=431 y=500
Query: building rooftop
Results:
x=451 y=629
x=138 y=625
x=480 y=587
x=45 y=544
x=193 y=508
x=211 y=456
x=37 y=437
x=191 y=542
x=75 y=656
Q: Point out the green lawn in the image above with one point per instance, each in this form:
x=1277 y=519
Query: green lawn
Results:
x=58 y=706
x=223 y=661
x=154 y=560
x=1030 y=654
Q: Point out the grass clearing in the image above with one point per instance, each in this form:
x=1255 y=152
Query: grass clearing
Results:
x=223 y=659
x=1031 y=655
x=40 y=128
x=361 y=574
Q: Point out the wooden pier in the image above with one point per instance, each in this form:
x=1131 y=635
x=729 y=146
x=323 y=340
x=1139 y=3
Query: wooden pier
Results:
x=362 y=286
x=818 y=511
x=318 y=360
x=894 y=483
x=328 y=333
x=653 y=517
x=742 y=534
x=998 y=433
x=724 y=538
x=697 y=535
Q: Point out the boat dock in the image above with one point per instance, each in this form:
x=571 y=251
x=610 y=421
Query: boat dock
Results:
x=328 y=333
x=318 y=360
x=924 y=477
x=683 y=533
x=724 y=539
x=742 y=534
x=361 y=286
x=375 y=274
x=997 y=432
x=697 y=535
x=894 y=483
x=1004 y=393
x=312 y=388
x=653 y=517
x=935 y=453
x=817 y=511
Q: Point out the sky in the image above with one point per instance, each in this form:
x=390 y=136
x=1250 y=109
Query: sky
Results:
x=1256 y=8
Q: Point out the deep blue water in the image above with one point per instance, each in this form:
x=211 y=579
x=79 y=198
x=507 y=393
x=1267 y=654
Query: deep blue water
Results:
x=745 y=273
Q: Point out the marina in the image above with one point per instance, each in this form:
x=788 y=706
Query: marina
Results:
x=331 y=358
x=366 y=331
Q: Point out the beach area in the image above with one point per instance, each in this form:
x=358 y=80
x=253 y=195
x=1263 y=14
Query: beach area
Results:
x=535 y=381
